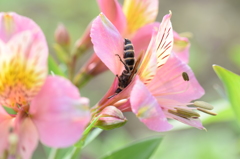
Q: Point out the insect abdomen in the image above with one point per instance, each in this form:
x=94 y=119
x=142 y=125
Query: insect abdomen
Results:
x=128 y=54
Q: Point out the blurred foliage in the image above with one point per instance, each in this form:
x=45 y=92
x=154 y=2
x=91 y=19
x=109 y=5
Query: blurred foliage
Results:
x=140 y=150
x=215 y=28
x=231 y=82
x=235 y=55
x=53 y=67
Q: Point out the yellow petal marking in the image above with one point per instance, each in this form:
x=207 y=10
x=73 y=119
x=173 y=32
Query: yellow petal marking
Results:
x=139 y=13
x=22 y=71
x=20 y=81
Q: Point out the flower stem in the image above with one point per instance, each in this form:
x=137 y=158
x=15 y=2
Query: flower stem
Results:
x=81 y=79
x=71 y=67
x=74 y=56
x=53 y=153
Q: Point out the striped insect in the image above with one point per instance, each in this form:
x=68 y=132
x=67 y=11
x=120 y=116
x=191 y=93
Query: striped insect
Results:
x=130 y=67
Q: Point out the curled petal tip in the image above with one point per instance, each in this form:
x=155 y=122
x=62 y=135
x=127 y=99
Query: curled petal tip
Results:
x=204 y=129
x=101 y=14
x=168 y=16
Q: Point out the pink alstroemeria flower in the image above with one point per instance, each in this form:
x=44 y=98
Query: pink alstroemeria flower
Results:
x=134 y=20
x=48 y=108
x=158 y=90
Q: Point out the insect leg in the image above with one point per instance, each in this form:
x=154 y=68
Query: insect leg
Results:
x=127 y=68
x=118 y=78
x=112 y=95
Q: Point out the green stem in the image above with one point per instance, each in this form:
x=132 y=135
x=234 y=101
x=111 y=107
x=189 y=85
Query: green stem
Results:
x=71 y=67
x=53 y=153
x=75 y=54
x=81 y=79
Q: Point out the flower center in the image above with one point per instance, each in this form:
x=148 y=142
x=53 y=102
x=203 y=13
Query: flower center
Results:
x=20 y=81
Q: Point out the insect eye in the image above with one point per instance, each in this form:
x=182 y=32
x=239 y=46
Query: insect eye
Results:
x=185 y=76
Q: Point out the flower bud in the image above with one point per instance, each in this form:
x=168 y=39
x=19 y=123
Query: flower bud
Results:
x=110 y=118
x=181 y=47
x=62 y=36
x=84 y=42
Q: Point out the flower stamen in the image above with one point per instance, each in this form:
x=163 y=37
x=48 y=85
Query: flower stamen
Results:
x=203 y=107
x=188 y=112
x=202 y=104
x=206 y=111
x=184 y=113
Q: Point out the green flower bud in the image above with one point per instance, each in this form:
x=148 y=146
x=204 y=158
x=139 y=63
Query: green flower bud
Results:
x=110 y=118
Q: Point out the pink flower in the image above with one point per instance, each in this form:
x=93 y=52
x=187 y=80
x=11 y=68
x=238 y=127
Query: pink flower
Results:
x=135 y=21
x=48 y=108
x=158 y=91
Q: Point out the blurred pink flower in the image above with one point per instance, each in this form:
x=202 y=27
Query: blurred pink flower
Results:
x=158 y=91
x=48 y=108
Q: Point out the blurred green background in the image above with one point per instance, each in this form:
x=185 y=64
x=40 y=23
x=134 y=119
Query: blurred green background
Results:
x=215 y=26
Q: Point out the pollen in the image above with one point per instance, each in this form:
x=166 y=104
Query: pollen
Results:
x=20 y=81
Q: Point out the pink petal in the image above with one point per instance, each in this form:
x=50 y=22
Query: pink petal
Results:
x=28 y=138
x=113 y=11
x=12 y=24
x=142 y=38
x=59 y=113
x=27 y=48
x=5 y=123
x=169 y=83
x=95 y=66
x=147 y=109
x=125 y=107
x=124 y=94
x=181 y=47
x=139 y=13
x=110 y=92
x=148 y=68
x=107 y=43
x=164 y=40
x=85 y=41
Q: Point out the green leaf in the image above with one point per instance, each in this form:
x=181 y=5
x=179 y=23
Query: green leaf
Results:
x=53 y=67
x=231 y=82
x=59 y=153
x=9 y=110
x=140 y=150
